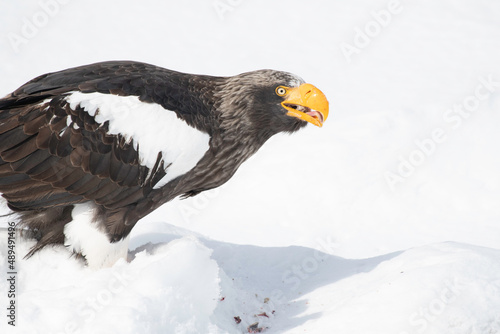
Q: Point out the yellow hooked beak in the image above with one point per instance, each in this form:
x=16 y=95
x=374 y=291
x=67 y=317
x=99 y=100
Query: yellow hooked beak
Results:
x=307 y=103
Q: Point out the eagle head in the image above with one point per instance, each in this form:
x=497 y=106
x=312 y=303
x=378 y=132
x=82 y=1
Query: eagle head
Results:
x=272 y=101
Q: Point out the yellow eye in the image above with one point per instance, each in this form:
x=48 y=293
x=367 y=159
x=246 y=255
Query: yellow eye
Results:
x=281 y=91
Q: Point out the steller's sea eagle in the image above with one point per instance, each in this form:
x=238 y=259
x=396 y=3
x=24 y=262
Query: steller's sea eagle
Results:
x=88 y=151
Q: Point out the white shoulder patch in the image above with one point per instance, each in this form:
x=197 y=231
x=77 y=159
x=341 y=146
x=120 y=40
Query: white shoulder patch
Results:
x=151 y=127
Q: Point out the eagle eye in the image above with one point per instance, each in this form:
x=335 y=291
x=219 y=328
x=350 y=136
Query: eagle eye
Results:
x=281 y=91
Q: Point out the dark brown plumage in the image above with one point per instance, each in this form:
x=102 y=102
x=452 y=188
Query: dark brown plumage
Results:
x=55 y=155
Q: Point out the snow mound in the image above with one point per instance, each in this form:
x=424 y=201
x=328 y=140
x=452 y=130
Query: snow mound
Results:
x=187 y=284
x=169 y=288
x=439 y=288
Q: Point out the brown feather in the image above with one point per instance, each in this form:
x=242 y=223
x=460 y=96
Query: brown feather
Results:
x=29 y=193
x=99 y=164
x=33 y=126
x=63 y=145
x=9 y=124
x=31 y=161
x=5 y=170
x=47 y=169
x=12 y=138
x=69 y=179
x=88 y=181
x=14 y=181
x=104 y=188
x=41 y=166
x=118 y=170
x=53 y=236
x=57 y=174
x=21 y=151
x=43 y=137
x=76 y=138
x=126 y=198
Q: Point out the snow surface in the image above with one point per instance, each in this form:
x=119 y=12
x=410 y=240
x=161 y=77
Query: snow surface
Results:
x=386 y=220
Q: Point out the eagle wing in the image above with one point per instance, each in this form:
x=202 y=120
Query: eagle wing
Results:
x=53 y=152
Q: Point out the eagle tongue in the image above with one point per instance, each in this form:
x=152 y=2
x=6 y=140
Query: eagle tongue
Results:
x=315 y=114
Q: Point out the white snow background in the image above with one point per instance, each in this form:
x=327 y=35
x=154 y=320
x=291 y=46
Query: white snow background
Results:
x=386 y=220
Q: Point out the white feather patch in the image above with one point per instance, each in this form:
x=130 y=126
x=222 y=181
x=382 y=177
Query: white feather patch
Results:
x=81 y=235
x=152 y=129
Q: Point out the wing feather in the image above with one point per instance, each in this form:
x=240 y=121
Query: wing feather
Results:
x=20 y=151
x=28 y=163
x=48 y=162
x=12 y=138
x=32 y=126
x=62 y=164
x=8 y=124
x=83 y=185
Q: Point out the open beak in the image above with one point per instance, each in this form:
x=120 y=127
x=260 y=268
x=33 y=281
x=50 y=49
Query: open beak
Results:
x=307 y=103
